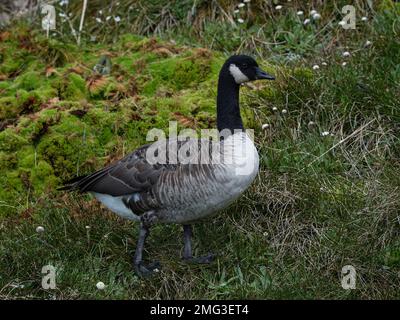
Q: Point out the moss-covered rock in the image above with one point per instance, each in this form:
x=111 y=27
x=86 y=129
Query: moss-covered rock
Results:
x=67 y=120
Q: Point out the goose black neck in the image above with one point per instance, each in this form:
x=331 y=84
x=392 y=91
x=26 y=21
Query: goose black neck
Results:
x=228 y=111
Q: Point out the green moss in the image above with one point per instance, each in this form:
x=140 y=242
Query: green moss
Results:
x=177 y=73
x=11 y=141
x=7 y=160
x=30 y=80
x=71 y=87
x=42 y=177
x=8 y=106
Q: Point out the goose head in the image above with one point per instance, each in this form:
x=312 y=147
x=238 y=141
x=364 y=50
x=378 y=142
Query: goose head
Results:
x=243 y=69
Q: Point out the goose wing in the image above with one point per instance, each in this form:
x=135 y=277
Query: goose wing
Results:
x=135 y=174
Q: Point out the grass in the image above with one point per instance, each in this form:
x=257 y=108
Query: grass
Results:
x=320 y=202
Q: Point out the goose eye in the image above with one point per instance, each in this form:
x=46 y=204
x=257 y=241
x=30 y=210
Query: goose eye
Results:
x=244 y=65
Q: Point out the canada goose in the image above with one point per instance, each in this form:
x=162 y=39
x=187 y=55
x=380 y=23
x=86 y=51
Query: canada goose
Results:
x=175 y=192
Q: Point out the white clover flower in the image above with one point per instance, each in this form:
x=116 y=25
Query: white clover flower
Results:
x=265 y=233
x=236 y=11
x=364 y=19
x=312 y=12
x=62 y=15
x=100 y=11
x=315 y=67
x=117 y=19
x=316 y=16
x=274 y=109
x=265 y=126
x=346 y=54
x=344 y=64
x=368 y=43
x=108 y=18
x=325 y=133
x=300 y=13
x=284 y=111
x=342 y=23
x=240 y=20
x=100 y=285
x=87 y=227
x=324 y=64
x=311 y=124
x=241 y=5
x=39 y=229
x=246 y=1
x=98 y=20
x=278 y=7
x=306 y=21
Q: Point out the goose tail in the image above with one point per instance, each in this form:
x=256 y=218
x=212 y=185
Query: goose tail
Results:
x=73 y=184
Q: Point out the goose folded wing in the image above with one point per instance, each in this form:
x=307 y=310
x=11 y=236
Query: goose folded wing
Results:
x=128 y=175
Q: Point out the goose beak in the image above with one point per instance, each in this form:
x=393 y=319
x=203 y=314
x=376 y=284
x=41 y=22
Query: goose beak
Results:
x=260 y=74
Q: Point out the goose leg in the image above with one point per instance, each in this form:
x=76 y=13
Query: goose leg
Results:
x=187 y=251
x=140 y=268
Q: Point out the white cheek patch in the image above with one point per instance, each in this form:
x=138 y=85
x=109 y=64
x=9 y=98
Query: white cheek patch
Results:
x=238 y=75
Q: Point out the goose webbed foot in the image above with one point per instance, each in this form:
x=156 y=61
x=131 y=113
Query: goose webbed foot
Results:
x=144 y=270
x=200 y=260
x=187 y=252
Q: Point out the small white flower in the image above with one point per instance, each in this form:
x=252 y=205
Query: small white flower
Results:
x=265 y=126
x=316 y=16
x=39 y=229
x=100 y=285
x=315 y=67
x=117 y=19
x=342 y=23
x=311 y=124
x=108 y=18
x=325 y=133
x=241 y=5
x=364 y=19
x=240 y=20
x=300 y=13
x=344 y=64
x=306 y=21
x=87 y=227
x=346 y=54
x=62 y=15
x=274 y=109
x=324 y=64
x=246 y=1
x=100 y=11
x=312 y=12
x=98 y=20
x=284 y=111
x=278 y=7
x=236 y=11
x=265 y=233
x=156 y=270
x=368 y=43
